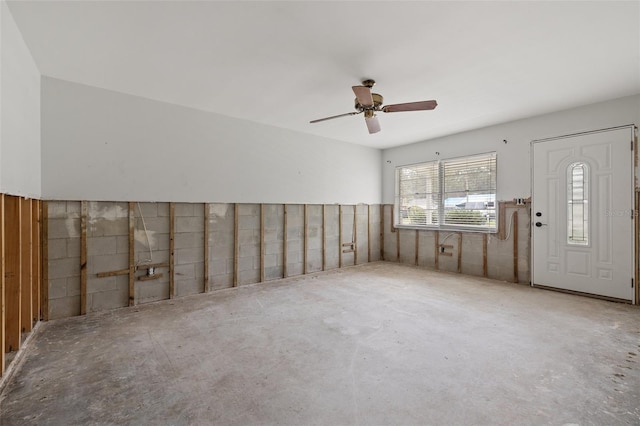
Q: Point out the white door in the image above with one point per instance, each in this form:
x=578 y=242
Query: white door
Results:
x=582 y=213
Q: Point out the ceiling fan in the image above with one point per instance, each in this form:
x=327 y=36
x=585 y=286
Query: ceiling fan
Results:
x=369 y=103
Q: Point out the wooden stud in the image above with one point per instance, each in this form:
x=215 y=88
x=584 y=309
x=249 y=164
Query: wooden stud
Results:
x=501 y=219
x=340 y=235
x=368 y=233
x=381 y=231
x=355 y=235
x=417 y=246
x=26 y=291
x=284 y=241
x=305 y=238
x=485 y=269
x=436 y=255
x=2 y=289
x=392 y=225
x=397 y=231
x=35 y=260
x=324 y=236
x=83 y=258
x=637 y=237
x=114 y=273
x=261 y=242
x=206 y=248
x=150 y=277
x=236 y=245
x=172 y=251
x=459 y=252
x=45 y=260
x=132 y=253
x=12 y=273
x=515 y=247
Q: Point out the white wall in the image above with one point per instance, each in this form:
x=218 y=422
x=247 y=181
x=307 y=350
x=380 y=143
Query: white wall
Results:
x=19 y=112
x=513 y=157
x=102 y=145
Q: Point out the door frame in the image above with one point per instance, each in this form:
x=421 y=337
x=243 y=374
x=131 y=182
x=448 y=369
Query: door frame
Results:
x=635 y=202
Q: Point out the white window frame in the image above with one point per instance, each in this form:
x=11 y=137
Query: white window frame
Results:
x=491 y=210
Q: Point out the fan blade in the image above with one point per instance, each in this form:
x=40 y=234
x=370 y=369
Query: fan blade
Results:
x=333 y=116
x=363 y=93
x=372 y=124
x=410 y=106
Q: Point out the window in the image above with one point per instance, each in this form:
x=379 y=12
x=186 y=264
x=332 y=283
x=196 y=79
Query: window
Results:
x=454 y=193
x=577 y=204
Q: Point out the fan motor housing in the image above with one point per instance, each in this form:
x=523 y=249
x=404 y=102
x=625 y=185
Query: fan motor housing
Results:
x=377 y=102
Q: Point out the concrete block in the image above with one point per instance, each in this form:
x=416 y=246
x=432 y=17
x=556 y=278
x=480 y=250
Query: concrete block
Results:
x=188 y=255
x=271 y=235
x=184 y=272
x=108 y=227
x=159 y=225
x=248 y=277
x=199 y=267
x=220 y=211
x=64 y=307
x=101 y=245
x=273 y=248
x=219 y=267
x=108 y=263
x=190 y=286
x=189 y=224
x=247 y=236
x=249 y=250
x=57 y=288
x=117 y=298
x=247 y=264
x=151 y=291
x=222 y=238
x=294 y=269
x=295 y=233
x=74 y=246
x=189 y=240
x=64 y=228
x=248 y=222
x=218 y=282
x=96 y=285
x=184 y=209
x=57 y=210
x=58 y=249
x=73 y=209
x=122 y=244
x=248 y=209
x=273 y=273
x=271 y=260
x=146 y=210
x=163 y=209
x=63 y=268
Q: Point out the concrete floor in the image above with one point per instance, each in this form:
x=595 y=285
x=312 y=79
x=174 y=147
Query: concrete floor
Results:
x=380 y=344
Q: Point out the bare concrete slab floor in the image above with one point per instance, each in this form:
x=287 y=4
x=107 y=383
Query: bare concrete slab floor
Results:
x=376 y=344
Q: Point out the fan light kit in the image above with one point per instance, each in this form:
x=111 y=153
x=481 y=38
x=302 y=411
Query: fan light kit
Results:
x=369 y=103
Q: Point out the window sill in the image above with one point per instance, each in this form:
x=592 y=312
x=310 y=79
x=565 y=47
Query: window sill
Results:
x=449 y=229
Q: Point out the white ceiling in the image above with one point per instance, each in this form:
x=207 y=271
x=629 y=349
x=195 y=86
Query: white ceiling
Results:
x=285 y=63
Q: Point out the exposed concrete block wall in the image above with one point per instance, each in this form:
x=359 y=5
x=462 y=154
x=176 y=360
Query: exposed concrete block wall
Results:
x=314 y=238
x=500 y=253
x=151 y=246
x=64 y=259
x=258 y=227
x=107 y=250
x=295 y=241
x=333 y=246
x=273 y=241
x=249 y=243
x=221 y=245
x=189 y=248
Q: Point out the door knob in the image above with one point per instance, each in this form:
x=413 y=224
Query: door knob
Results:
x=539 y=224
